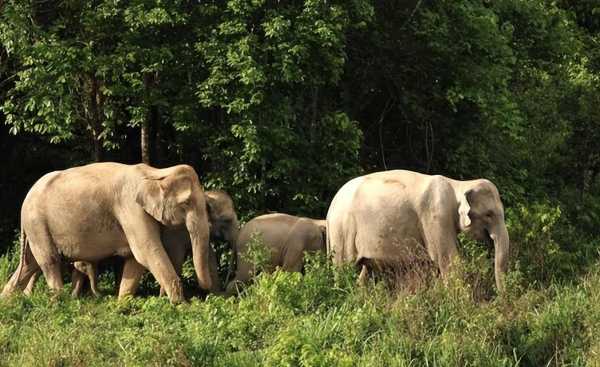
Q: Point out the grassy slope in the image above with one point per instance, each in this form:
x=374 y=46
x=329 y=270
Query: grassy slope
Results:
x=316 y=319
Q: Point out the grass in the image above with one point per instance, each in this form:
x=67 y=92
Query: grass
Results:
x=317 y=319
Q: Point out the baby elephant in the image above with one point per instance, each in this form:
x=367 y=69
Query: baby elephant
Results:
x=286 y=236
x=81 y=271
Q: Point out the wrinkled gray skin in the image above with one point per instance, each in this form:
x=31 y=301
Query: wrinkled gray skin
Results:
x=223 y=223
x=373 y=218
x=286 y=236
x=100 y=210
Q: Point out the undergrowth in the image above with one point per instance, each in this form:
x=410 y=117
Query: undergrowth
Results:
x=321 y=318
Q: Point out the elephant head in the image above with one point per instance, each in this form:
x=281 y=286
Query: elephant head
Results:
x=481 y=217
x=223 y=219
x=174 y=197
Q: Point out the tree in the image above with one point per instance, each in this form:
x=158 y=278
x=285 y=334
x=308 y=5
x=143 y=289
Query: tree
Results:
x=93 y=68
x=274 y=133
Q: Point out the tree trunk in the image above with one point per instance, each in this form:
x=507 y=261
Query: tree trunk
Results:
x=151 y=123
x=156 y=148
x=96 y=102
x=151 y=137
x=97 y=153
x=145 y=142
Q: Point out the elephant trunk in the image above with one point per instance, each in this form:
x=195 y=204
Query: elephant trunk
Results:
x=232 y=240
x=204 y=260
x=501 y=245
x=233 y=233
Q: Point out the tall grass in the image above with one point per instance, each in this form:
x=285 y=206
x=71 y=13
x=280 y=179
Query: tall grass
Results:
x=320 y=318
x=316 y=319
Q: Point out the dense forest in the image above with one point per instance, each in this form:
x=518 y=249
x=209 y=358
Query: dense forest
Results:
x=281 y=102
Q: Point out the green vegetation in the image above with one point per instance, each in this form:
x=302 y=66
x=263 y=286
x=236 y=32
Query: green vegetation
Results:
x=317 y=319
x=320 y=318
x=279 y=103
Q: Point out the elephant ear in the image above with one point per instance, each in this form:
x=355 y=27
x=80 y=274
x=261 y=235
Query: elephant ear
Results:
x=463 y=210
x=161 y=197
x=211 y=204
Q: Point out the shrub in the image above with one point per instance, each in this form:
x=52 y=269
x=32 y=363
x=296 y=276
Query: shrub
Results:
x=543 y=243
x=257 y=254
x=10 y=261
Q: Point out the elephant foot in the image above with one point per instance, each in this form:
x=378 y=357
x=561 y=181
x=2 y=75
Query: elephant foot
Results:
x=176 y=292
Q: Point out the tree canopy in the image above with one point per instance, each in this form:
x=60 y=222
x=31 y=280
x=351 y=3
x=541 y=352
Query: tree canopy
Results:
x=279 y=103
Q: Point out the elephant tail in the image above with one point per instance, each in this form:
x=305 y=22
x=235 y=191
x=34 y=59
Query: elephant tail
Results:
x=24 y=244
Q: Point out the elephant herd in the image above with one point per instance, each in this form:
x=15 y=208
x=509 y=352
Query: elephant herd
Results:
x=152 y=218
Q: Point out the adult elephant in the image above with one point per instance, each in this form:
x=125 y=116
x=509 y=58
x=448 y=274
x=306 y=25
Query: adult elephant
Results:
x=92 y=212
x=223 y=224
x=286 y=237
x=373 y=218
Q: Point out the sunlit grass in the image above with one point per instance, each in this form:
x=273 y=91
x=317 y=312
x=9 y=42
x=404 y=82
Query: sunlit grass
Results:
x=316 y=319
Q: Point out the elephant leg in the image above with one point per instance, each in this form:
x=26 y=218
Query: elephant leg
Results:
x=148 y=250
x=45 y=253
x=77 y=279
x=20 y=279
x=28 y=267
x=31 y=283
x=214 y=272
x=242 y=275
x=440 y=241
x=132 y=273
x=83 y=269
x=157 y=261
x=93 y=277
x=445 y=256
x=177 y=255
x=293 y=259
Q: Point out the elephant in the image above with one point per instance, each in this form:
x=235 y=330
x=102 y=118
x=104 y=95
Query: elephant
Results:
x=223 y=224
x=92 y=212
x=81 y=271
x=373 y=218
x=286 y=236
